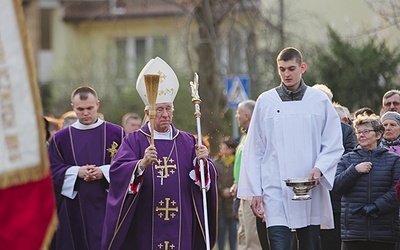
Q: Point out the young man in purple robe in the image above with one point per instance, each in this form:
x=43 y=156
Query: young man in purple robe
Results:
x=155 y=200
x=80 y=157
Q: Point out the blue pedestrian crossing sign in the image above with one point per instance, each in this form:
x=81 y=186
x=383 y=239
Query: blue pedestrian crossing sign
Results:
x=237 y=89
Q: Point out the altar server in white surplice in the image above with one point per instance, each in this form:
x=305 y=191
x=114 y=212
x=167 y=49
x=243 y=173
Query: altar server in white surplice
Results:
x=294 y=132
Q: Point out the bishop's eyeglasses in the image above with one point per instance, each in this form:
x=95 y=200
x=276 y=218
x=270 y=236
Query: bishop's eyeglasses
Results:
x=162 y=110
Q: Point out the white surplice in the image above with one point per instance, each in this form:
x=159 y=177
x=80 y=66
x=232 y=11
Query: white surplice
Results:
x=286 y=139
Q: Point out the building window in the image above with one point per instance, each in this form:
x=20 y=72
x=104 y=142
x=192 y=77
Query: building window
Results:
x=140 y=48
x=45 y=22
x=160 y=47
x=233 y=54
x=121 y=58
x=132 y=54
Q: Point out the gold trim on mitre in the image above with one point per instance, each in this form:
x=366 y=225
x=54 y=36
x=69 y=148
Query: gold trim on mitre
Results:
x=169 y=84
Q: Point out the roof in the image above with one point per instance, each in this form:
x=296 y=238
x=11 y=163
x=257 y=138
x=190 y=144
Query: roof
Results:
x=97 y=10
x=92 y=10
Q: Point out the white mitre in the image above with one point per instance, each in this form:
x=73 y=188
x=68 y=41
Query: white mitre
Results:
x=169 y=84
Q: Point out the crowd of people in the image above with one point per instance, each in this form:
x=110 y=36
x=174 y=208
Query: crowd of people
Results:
x=129 y=122
x=140 y=186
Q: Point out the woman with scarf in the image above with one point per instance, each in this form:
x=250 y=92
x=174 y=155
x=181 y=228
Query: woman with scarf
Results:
x=391 y=140
x=391 y=137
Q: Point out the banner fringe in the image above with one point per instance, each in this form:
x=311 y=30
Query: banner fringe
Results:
x=25 y=175
x=50 y=231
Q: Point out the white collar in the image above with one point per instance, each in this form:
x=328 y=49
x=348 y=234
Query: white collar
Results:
x=162 y=135
x=79 y=125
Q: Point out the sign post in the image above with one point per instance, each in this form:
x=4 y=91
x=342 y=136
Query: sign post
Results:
x=237 y=90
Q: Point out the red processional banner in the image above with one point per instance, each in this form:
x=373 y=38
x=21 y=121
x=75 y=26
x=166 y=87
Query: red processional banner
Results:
x=27 y=205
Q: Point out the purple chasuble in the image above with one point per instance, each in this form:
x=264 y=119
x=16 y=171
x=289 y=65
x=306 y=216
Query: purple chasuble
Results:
x=81 y=219
x=167 y=211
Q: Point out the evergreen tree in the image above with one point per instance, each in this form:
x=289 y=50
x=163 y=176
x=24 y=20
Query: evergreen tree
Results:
x=358 y=75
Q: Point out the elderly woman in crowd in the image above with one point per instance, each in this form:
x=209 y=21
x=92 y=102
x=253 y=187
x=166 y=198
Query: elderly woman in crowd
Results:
x=366 y=178
x=391 y=138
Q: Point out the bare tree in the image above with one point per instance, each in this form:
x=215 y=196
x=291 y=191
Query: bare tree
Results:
x=388 y=10
x=209 y=15
x=218 y=22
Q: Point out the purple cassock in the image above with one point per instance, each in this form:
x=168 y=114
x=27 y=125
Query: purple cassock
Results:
x=81 y=211
x=166 y=212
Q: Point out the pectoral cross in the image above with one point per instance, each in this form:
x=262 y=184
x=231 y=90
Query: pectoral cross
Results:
x=113 y=149
x=164 y=170
x=168 y=211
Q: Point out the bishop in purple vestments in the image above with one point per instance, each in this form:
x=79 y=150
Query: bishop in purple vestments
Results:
x=163 y=209
x=80 y=157
x=155 y=199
